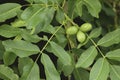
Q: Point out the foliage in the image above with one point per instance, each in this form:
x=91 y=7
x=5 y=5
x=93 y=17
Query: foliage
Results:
x=82 y=35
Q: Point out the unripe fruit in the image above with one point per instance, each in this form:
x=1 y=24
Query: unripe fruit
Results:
x=81 y=37
x=86 y=27
x=71 y=30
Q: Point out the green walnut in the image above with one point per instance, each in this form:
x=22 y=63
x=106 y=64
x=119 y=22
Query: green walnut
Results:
x=72 y=30
x=86 y=27
x=81 y=37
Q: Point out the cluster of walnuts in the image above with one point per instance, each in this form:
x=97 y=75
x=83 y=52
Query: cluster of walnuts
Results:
x=79 y=31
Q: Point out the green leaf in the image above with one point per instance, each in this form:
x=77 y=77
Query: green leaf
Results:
x=95 y=32
x=28 y=69
x=71 y=4
x=87 y=57
x=26 y=35
x=2 y=50
x=9 y=11
x=61 y=53
x=23 y=62
x=45 y=20
x=67 y=70
x=45 y=1
x=61 y=38
x=48 y=29
x=30 y=1
x=36 y=15
x=108 y=10
x=50 y=71
x=86 y=16
x=100 y=70
x=18 y=23
x=7 y=73
x=20 y=48
x=110 y=39
x=95 y=8
x=115 y=55
x=81 y=74
x=9 y=31
x=60 y=16
x=30 y=72
x=39 y=1
x=32 y=16
x=9 y=58
x=115 y=72
x=78 y=8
